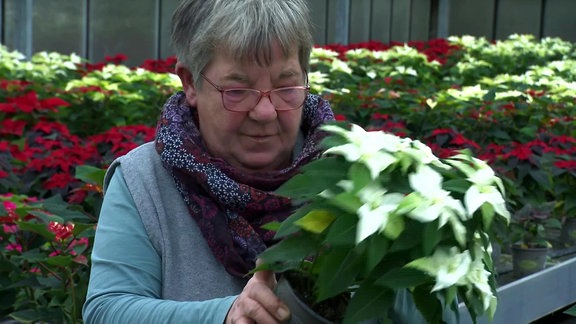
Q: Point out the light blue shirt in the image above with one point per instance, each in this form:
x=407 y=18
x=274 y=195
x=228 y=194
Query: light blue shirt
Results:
x=126 y=277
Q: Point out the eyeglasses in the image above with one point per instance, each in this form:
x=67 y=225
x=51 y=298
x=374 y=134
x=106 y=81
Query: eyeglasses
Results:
x=245 y=99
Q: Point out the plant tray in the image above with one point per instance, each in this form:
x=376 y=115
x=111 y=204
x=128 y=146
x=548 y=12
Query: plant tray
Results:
x=534 y=296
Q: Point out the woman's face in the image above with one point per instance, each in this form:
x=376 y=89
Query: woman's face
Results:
x=261 y=139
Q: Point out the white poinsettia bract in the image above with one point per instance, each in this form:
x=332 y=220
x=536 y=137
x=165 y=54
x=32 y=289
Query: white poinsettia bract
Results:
x=435 y=201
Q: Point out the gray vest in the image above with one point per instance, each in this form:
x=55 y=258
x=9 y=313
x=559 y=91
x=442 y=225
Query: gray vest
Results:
x=189 y=270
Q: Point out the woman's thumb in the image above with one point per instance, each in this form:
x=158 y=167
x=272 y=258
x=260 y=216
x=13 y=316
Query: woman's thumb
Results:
x=266 y=276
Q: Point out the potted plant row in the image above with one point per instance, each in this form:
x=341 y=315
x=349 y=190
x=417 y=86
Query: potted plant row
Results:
x=379 y=221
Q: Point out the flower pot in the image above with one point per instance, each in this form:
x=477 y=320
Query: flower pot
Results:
x=496 y=252
x=526 y=261
x=301 y=312
x=568 y=232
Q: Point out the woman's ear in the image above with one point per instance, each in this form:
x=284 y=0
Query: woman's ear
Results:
x=187 y=83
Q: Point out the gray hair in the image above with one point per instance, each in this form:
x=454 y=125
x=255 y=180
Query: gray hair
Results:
x=246 y=28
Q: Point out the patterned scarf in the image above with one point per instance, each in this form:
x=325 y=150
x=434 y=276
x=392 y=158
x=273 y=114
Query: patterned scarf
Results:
x=228 y=205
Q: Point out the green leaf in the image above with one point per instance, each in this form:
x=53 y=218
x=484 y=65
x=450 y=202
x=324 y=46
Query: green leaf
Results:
x=289 y=250
x=428 y=304
x=571 y=311
x=52 y=282
x=334 y=139
x=360 y=175
x=46 y=217
x=29 y=281
x=60 y=260
x=316 y=221
x=530 y=131
x=272 y=226
x=98 y=96
x=368 y=302
x=409 y=202
x=6 y=266
x=456 y=185
x=487 y=215
x=407 y=241
x=78 y=252
x=7 y=299
x=326 y=171
x=431 y=238
x=347 y=201
x=376 y=250
x=27 y=316
x=342 y=231
x=395 y=226
x=569 y=204
x=553 y=223
x=34 y=255
x=451 y=295
x=490 y=95
x=90 y=174
x=83 y=230
x=288 y=226
x=39 y=228
x=57 y=206
x=337 y=269
x=399 y=278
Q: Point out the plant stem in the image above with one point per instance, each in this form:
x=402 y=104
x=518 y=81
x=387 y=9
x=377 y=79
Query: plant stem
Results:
x=50 y=270
x=70 y=276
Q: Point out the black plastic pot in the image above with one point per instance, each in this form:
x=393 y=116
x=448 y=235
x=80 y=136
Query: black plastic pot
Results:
x=526 y=261
x=404 y=310
x=301 y=313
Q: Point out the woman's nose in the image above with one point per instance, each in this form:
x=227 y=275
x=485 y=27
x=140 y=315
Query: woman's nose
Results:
x=264 y=110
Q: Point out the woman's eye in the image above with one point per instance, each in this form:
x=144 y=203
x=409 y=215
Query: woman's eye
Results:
x=237 y=93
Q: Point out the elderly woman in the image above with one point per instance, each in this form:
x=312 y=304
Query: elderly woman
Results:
x=180 y=226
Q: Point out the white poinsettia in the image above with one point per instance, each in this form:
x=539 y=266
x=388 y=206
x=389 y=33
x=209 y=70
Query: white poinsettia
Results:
x=459 y=230
x=371 y=194
x=450 y=267
x=434 y=201
x=367 y=148
x=374 y=213
x=346 y=185
x=423 y=153
x=477 y=276
x=390 y=201
x=477 y=195
x=447 y=265
x=486 y=186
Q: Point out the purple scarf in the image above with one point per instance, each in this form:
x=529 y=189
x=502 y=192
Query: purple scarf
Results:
x=230 y=206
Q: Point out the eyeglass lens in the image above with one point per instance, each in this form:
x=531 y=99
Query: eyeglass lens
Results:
x=287 y=98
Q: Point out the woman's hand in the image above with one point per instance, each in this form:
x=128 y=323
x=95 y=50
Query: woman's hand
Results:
x=257 y=303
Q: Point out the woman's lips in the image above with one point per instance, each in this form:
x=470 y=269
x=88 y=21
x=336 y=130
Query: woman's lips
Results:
x=260 y=138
